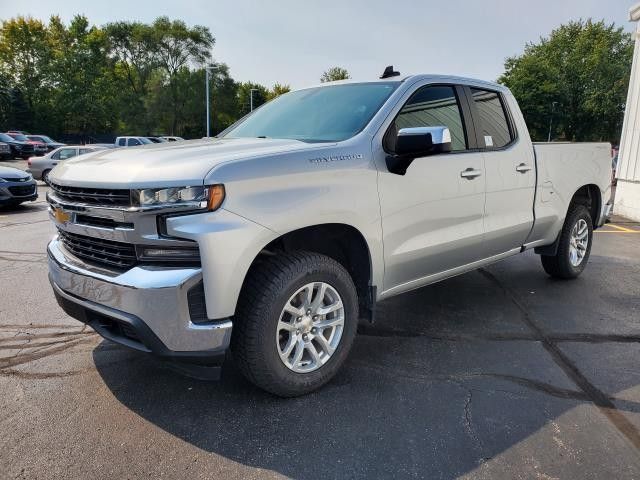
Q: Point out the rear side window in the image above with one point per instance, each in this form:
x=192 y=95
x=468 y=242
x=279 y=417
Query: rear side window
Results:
x=66 y=153
x=431 y=106
x=121 y=142
x=494 y=124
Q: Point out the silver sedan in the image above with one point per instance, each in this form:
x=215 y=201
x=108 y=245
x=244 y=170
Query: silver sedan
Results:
x=40 y=167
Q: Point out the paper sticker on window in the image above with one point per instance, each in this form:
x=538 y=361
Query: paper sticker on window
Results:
x=488 y=141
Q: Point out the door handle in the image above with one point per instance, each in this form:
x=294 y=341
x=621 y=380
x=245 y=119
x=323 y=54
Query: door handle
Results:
x=470 y=173
x=523 y=168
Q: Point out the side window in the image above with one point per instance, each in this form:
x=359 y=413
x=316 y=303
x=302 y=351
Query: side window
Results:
x=133 y=142
x=431 y=106
x=66 y=153
x=494 y=125
x=84 y=150
x=122 y=142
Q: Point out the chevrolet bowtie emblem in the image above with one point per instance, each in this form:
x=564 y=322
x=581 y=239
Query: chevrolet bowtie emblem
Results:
x=60 y=215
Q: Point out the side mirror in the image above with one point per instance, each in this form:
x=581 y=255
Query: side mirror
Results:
x=417 y=142
x=422 y=141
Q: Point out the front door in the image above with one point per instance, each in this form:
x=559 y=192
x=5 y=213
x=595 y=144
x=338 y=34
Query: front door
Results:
x=432 y=216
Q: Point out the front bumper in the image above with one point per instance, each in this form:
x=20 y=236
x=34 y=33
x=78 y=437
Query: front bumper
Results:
x=145 y=308
x=14 y=192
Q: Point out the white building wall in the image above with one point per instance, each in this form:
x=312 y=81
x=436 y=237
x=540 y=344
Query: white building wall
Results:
x=628 y=173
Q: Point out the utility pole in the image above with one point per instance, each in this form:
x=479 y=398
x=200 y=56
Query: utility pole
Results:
x=251 y=95
x=553 y=106
x=207 y=68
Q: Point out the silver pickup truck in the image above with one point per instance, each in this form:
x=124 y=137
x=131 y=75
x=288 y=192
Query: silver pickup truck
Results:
x=274 y=239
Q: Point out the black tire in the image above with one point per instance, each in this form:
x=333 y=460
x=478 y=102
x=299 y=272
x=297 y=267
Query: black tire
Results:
x=269 y=285
x=559 y=265
x=45 y=176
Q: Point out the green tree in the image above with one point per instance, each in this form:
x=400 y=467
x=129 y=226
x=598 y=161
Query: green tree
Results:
x=277 y=90
x=260 y=96
x=583 y=67
x=333 y=74
x=83 y=101
x=25 y=54
x=178 y=46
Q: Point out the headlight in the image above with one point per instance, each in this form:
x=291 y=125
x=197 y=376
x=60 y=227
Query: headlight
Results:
x=209 y=197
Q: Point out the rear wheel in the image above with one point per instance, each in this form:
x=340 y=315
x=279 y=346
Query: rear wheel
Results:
x=296 y=321
x=574 y=245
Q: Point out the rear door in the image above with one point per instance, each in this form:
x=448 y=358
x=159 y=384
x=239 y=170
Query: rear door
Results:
x=510 y=172
x=432 y=216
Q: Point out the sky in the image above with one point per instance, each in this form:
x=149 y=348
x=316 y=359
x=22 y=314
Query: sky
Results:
x=293 y=42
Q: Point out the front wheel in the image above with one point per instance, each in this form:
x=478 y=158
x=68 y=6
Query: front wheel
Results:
x=296 y=320
x=574 y=245
x=45 y=176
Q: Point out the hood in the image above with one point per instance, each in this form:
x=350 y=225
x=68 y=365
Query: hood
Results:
x=165 y=164
x=9 y=173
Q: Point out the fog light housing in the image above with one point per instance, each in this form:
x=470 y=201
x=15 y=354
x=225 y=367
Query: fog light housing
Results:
x=168 y=254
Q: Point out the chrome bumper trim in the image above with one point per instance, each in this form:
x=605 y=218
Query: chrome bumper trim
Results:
x=155 y=295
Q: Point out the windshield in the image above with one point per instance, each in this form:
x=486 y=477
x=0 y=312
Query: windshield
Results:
x=144 y=140
x=41 y=138
x=321 y=114
x=5 y=138
x=19 y=137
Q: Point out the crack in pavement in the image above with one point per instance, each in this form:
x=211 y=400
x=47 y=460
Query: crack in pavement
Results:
x=595 y=395
x=19 y=359
x=12 y=252
x=17 y=224
x=23 y=260
x=372 y=331
x=40 y=336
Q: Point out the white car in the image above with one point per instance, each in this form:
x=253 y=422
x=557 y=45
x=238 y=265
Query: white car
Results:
x=40 y=167
x=173 y=139
x=132 y=141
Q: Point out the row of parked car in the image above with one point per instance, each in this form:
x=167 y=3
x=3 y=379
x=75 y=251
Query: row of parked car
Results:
x=15 y=144
x=40 y=167
x=18 y=144
x=43 y=154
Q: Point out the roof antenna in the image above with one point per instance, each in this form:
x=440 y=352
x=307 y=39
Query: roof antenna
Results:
x=389 y=72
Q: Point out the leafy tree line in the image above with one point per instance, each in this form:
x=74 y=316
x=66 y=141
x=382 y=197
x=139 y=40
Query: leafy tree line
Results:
x=121 y=78
x=579 y=75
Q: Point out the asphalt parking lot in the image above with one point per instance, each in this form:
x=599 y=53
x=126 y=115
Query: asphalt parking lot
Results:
x=499 y=373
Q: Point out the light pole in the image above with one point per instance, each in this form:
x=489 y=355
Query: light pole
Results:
x=206 y=83
x=553 y=106
x=251 y=96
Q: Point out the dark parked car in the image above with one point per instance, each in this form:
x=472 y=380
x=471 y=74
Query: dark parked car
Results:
x=48 y=141
x=19 y=149
x=39 y=148
x=16 y=186
x=5 y=151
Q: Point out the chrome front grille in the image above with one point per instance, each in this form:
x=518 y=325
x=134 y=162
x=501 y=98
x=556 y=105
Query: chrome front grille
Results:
x=99 y=251
x=93 y=196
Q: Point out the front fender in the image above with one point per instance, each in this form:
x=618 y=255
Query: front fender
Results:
x=228 y=245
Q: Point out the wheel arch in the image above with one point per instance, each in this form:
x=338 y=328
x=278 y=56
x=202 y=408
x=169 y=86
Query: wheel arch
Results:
x=588 y=195
x=342 y=242
x=591 y=197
